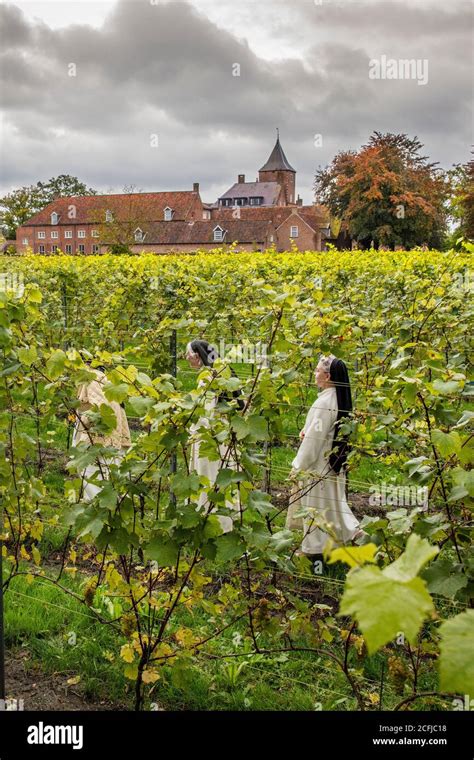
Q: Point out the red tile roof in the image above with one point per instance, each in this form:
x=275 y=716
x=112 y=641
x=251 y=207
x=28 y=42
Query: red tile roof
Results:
x=124 y=207
x=202 y=232
x=277 y=215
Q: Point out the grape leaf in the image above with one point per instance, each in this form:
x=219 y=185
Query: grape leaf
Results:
x=456 y=663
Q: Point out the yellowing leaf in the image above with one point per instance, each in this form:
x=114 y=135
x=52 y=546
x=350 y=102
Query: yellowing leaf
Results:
x=150 y=676
x=127 y=653
x=354 y=555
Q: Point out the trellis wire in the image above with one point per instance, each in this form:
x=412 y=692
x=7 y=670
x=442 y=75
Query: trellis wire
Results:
x=201 y=652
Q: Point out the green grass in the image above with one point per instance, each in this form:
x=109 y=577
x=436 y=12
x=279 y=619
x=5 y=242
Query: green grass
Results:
x=62 y=637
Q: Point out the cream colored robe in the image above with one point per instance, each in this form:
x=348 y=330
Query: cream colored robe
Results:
x=210 y=468
x=327 y=498
x=93 y=393
x=89 y=394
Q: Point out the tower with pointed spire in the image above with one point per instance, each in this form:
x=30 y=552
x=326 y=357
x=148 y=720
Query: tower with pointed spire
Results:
x=278 y=169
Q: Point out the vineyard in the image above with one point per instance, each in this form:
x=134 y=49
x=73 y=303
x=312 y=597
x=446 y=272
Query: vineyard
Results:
x=136 y=599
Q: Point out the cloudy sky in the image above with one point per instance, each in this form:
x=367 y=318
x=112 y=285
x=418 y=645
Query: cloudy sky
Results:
x=144 y=92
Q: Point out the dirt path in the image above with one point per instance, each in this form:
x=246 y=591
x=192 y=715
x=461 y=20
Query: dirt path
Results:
x=40 y=691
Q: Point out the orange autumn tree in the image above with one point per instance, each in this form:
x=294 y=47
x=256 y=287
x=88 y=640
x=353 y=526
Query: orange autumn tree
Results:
x=387 y=192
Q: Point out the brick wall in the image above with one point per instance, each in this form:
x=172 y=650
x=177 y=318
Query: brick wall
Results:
x=307 y=239
x=56 y=235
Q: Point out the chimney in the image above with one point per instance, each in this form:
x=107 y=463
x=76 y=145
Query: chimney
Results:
x=299 y=201
x=195 y=187
x=241 y=178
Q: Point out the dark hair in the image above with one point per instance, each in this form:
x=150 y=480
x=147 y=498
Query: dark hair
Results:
x=208 y=354
x=340 y=448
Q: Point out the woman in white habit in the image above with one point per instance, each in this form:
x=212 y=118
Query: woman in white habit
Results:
x=199 y=354
x=322 y=458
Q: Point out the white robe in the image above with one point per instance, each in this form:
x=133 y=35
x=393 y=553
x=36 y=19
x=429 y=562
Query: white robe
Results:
x=210 y=468
x=327 y=498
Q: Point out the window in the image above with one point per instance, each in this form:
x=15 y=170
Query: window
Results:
x=41 y=249
x=41 y=235
x=109 y=217
x=294 y=231
x=168 y=214
x=25 y=241
x=68 y=234
x=54 y=217
x=139 y=236
x=240 y=201
x=95 y=248
x=81 y=233
x=55 y=234
x=81 y=248
x=206 y=214
x=218 y=233
x=54 y=248
x=68 y=248
x=95 y=233
x=255 y=201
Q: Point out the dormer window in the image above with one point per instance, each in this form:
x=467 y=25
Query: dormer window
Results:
x=139 y=236
x=109 y=217
x=168 y=214
x=218 y=234
x=54 y=218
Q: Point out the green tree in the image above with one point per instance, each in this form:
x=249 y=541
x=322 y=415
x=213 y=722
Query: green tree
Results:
x=63 y=186
x=461 y=201
x=387 y=192
x=20 y=205
x=17 y=207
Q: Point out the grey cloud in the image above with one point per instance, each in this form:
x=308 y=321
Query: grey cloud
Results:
x=167 y=69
